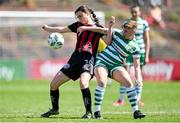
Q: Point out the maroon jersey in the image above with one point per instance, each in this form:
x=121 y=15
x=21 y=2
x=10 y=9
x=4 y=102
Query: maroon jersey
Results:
x=87 y=41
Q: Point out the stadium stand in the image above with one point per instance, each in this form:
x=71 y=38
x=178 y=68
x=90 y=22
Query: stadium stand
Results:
x=30 y=42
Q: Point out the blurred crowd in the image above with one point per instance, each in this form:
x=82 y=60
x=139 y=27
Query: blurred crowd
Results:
x=152 y=10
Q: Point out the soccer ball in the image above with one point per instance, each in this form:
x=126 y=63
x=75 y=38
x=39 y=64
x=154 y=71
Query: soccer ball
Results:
x=55 y=40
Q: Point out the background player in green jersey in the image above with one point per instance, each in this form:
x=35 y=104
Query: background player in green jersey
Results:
x=143 y=41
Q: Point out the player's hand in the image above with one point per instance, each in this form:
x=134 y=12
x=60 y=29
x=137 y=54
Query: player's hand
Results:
x=111 y=21
x=44 y=27
x=147 y=60
x=80 y=29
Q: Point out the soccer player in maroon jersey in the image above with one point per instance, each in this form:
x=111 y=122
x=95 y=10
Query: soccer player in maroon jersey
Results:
x=80 y=64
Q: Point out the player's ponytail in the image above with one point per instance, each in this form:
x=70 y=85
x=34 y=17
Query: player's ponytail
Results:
x=96 y=20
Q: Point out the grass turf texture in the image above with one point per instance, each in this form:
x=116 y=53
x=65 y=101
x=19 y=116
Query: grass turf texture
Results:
x=24 y=101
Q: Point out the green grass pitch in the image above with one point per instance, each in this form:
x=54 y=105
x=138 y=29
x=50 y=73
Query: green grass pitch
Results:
x=24 y=101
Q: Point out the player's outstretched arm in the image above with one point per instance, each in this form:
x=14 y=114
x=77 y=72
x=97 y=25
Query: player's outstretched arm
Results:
x=93 y=29
x=56 y=29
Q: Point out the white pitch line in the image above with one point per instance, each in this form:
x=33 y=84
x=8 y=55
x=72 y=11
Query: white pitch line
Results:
x=161 y=112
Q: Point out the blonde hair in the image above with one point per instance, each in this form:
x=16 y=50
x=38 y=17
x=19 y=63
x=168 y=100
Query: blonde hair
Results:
x=131 y=24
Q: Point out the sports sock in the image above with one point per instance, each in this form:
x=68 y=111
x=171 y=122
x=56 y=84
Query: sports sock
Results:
x=87 y=99
x=139 y=92
x=55 y=99
x=132 y=97
x=98 y=98
x=122 y=91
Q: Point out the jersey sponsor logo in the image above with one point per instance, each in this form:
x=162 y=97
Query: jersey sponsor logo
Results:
x=131 y=47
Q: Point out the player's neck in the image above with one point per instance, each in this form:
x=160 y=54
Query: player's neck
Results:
x=129 y=37
x=90 y=22
x=135 y=18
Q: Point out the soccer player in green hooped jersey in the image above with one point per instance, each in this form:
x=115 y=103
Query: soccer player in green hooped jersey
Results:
x=110 y=63
x=142 y=39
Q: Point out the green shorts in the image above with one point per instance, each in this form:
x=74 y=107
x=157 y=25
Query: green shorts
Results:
x=129 y=60
x=109 y=67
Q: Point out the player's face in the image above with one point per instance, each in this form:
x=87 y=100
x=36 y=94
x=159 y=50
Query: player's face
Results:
x=135 y=12
x=128 y=32
x=82 y=17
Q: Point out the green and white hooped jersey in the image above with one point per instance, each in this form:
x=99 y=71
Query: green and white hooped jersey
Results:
x=142 y=26
x=116 y=53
